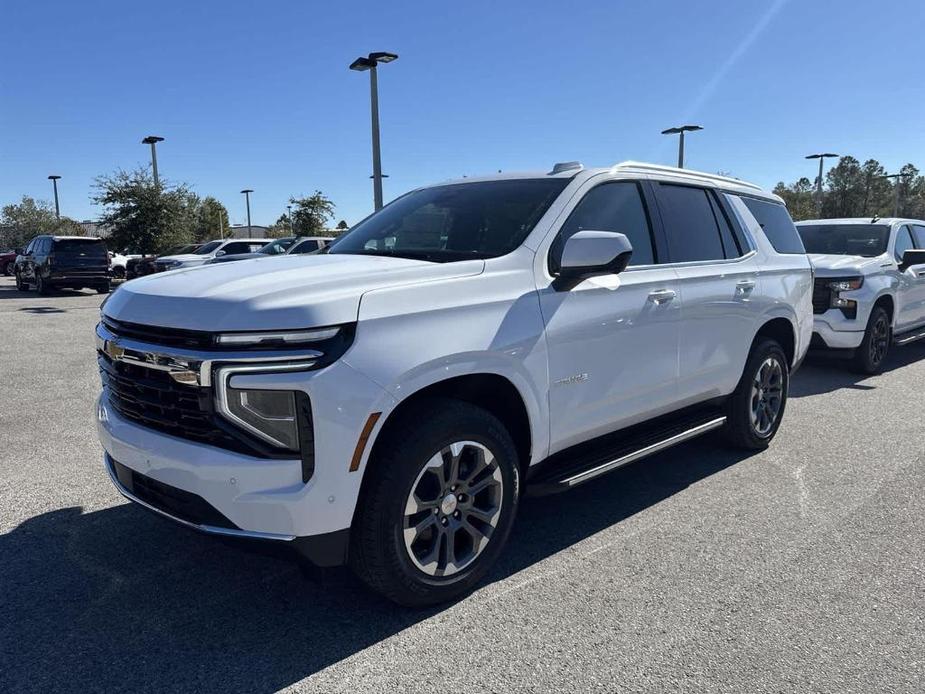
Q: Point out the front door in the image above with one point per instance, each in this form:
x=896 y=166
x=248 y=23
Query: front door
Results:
x=910 y=299
x=612 y=340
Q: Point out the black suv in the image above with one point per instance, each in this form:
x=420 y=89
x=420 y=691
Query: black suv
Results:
x=74 y=262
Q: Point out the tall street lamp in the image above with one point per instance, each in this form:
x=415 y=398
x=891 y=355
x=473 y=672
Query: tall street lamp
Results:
x=289 y=217
x=821 y=157
x=153 y=140
x=54 y=183
x=361 y=65
x=247 y=197
x=680 y=130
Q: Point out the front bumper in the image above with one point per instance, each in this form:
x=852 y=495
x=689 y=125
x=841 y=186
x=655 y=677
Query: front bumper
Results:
x=834 y=338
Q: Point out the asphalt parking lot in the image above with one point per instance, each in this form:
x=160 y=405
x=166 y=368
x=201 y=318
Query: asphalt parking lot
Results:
x=799 y=569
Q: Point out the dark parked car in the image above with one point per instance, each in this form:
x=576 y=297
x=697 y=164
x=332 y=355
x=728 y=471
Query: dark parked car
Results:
x=74 y=262
x=7 y=259
x=142 y=265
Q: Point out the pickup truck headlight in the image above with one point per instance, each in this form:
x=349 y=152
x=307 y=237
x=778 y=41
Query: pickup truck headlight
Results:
x=848 y=307
x=269 y=414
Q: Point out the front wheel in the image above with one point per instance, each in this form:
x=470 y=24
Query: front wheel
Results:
x=870 y=356
x=438 y=504
x=756 y=407
x=20 y=285
x=40 y=287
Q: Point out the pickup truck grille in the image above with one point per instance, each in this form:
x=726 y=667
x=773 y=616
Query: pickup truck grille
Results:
x=822 y=296
x=151 y=398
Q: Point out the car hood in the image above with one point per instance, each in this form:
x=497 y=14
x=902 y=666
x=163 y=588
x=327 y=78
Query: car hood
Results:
x=186 y=257
x=238 y=256
x=827 y=265
x=284 y=292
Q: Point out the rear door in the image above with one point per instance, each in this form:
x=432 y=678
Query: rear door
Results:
x=717 y=274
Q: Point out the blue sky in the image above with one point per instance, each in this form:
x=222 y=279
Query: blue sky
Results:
x=258 y=95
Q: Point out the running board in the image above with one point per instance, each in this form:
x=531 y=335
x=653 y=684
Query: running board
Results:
x=572 y=467
x=906 y=339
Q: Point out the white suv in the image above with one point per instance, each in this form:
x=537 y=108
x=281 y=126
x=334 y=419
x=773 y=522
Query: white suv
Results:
x=386 y=402
x=208 y=251
x=870 y=285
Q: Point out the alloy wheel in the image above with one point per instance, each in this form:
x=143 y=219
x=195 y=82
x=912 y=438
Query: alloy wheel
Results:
x=767 y=396
x=453 y=508
x=879 y=340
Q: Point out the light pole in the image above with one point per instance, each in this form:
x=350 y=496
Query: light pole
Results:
x=680 y=130
x=153 y=140
x=54 y=183
x=247 y=197
x=821 y=157
x=361 y=65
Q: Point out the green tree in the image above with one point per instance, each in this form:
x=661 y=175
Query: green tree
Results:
x=143 y=217
x=311 y=214
x=211 y=221
x=342 y=226
x=280 y=228
x=20 y=222
x=846 y=185
x=800 y=198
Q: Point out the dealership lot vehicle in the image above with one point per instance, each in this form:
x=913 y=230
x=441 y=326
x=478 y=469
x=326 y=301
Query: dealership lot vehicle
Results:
x=386 y=402
x=7 y=261
x=870 y=285
x=71 y=262
x=730 y=572
x=287 y=244
x=208 y=251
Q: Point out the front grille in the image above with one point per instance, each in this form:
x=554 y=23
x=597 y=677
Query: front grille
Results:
x=171 y=500
x=171 y=337
x=822 y=296
x=153 y=399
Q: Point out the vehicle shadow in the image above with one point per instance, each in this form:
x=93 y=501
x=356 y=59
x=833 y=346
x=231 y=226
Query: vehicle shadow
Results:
x=823 y=373
x=121 y=599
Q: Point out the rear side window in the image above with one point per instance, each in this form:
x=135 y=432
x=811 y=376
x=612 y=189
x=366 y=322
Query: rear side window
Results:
x=87 y=247
x=616 y=207
x=777 y=226
x=305 y=247
x=691 y=225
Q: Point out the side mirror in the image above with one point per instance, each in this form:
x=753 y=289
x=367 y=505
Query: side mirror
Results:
x=593 y=253
x=218 y=253
x=914 y=256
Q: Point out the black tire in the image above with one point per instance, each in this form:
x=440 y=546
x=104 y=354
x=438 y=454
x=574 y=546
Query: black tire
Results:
x=741 y=429
x=378 y=552
x=7 y=269
x=40 y=287
x=118 y=272
x=103 y=288
x=871 y=355
x=20 y=285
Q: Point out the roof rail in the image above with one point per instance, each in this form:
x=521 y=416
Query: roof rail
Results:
x=657 y=168
x=561 y=166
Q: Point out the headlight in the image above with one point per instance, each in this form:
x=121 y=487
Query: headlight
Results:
x=270 y=414
x=277 y=337
x=846 y=284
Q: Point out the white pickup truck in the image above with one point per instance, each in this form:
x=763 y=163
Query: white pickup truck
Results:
x=870 y=285
x=387 y=402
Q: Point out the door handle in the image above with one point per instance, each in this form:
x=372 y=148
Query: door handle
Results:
x=661 y=296
x=744 y=287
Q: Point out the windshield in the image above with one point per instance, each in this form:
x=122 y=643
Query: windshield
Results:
x=454 y=222
x=186 y=249
x=81 y=246
x=277 y=247
x=867 y=240
x=209 y=247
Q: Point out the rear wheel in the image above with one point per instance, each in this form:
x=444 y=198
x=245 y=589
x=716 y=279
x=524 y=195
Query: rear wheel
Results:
x=870 y=356
x=103 y=288
x=7 y=269
x=756 y=407
x=438 y=504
